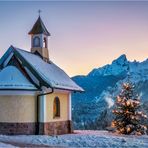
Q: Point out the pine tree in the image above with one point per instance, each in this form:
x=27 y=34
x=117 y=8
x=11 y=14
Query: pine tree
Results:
x=128 y=117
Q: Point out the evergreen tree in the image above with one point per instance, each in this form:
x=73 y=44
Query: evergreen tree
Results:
x=128 y=117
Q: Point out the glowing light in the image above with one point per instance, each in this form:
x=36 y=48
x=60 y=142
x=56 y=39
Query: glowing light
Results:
x=128 y=103
x=128 y=129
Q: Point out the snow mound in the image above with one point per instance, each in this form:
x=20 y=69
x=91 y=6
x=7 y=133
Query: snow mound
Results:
x=4 y=145
x=82 y=139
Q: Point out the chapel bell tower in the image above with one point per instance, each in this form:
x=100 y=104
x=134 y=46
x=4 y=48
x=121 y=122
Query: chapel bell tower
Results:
x=39 y=39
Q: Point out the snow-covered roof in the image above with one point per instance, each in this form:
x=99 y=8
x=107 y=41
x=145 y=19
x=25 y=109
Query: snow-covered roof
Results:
x=12 y=78
x=49 y=72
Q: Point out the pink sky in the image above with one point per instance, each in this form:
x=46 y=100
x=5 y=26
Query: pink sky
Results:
x=85 y=35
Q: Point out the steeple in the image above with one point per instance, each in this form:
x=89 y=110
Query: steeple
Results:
x=39 y=28
x=39 y=39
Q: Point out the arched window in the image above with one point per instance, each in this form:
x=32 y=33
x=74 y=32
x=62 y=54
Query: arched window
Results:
x=56 y=107
x=36 y=42
x=45 y=43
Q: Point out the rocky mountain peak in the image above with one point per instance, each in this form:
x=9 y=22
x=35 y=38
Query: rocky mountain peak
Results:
x=121 y=60
x=117 y=67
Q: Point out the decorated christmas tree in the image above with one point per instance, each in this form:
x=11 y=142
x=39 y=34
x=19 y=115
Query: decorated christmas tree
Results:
x=128 y=117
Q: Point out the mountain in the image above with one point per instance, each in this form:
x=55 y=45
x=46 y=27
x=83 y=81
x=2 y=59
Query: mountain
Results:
x=92 y=109
x=118 y=66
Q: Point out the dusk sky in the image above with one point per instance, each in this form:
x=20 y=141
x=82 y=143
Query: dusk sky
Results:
x=84 y=35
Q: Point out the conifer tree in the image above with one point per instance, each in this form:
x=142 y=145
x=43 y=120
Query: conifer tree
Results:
x=127 y=112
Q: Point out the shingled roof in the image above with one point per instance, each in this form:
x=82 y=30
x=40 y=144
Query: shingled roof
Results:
x=39 y=28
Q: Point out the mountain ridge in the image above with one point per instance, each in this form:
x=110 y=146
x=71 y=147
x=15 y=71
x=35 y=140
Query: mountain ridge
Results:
x=119 y=65
x=101 y=86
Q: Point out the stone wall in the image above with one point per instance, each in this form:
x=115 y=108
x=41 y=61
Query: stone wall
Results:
x=55 y=128
x=18 y=128
x=50 y=128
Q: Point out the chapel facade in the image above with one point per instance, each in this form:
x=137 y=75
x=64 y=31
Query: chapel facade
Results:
x=35 y=94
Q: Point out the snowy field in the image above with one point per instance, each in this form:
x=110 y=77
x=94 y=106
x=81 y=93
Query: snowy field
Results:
x=78 y=139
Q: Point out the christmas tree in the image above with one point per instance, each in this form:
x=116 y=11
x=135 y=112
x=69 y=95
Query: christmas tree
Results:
x=128 y=117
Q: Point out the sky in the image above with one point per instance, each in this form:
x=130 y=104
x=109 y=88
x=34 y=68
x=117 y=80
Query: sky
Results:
x=84 y=35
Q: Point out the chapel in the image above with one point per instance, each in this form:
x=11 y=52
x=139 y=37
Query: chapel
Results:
x=35 y=94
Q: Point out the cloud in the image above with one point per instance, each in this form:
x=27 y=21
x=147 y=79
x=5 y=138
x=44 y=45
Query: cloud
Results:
x=140 y=95
x=109 y=100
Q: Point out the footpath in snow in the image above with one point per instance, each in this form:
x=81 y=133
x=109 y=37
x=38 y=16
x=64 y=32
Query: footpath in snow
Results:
x=78 y=139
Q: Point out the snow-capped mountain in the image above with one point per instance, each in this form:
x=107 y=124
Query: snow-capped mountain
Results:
x=121 y=66
x=118 y=66
x=101 y=86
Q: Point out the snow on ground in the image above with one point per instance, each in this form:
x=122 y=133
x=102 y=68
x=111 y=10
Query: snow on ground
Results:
x=3 y=145
x=81 y=139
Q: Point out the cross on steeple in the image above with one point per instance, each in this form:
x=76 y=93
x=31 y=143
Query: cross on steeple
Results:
x=39 y=11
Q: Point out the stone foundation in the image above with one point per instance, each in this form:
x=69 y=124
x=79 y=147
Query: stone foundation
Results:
x=48 y=128
x=18 y=128
x=55 y=128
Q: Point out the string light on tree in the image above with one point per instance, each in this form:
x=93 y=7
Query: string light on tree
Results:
x=127 y=112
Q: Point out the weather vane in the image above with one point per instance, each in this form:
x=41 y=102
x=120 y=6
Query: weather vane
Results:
x=39 y=11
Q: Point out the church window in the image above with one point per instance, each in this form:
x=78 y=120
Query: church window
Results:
x=56 y=107
x=45 y=43
x=36 y=42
